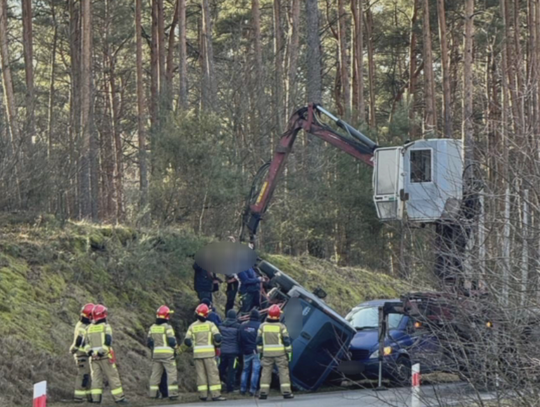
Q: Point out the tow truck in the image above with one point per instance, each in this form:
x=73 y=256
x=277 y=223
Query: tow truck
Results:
x=419 y=182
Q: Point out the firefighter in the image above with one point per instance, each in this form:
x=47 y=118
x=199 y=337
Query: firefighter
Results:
x=274 y=346
x=204 y=337
x=162 y=342
x=82 y=382
x=98 y=342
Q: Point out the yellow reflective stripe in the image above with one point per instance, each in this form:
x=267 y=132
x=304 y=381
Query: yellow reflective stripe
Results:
x=157 y=329
x=200 y=349
x=215 y=387
x=80 y=392
x=201 y=328
x=265 y=386
x=271 y=328
x=202 y=388
x=117 y=391
x=164 y=351
x=154 y=387
x=96 y=391
x=279 y=349
x=173 y=387
x=96 y=329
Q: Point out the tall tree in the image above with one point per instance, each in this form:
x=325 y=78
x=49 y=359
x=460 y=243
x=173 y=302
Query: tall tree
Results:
x=344 y=57
x=7 y=81
x=50 y=109
x=357 y=8
x=467 y=130
x=294 y=44
x=154 y=71
x=278 y=64
x=161 y=50
x=430 y=114
x=89 y=163
x=258 y=87
x=445 y=62
x=170 y=57
x=371 y=65
x=313 y=54
x=141 y=113
x=209 y=63
x=413 y=131
x=182 y=47
x=29 y=69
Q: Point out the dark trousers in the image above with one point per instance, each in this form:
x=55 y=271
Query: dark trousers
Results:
x=231 y=296
x=227 y=370
x=204 y=294
x=250 y=300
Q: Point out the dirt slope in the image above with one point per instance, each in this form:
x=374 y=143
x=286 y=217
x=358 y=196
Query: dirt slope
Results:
x=48 y=269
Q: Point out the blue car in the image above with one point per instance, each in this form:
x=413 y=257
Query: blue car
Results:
x=405 y=345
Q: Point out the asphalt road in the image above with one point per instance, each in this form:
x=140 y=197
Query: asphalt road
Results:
x=440 y=395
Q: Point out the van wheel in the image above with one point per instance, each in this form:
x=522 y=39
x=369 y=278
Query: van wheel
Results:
x=401 y=372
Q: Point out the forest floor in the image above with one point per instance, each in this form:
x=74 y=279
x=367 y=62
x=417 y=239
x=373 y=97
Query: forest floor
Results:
x=49 y=268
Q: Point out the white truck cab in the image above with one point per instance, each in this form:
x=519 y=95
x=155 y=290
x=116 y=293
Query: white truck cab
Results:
x=421 y=181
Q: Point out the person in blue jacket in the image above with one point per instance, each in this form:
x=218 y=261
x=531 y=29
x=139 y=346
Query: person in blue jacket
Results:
x=248 y=347
x=213 y=316
x=203 y=282
x=250 y=290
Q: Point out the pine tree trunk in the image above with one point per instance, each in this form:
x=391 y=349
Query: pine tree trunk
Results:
x=278 y=65
x=293 y=55
x=430 y=114
x=445 y=60
x=182 y=44
x=29 y=70
x=344 y=57
x=413 y=129
x=357 y=7
x=75 y=106
x=371 y=67
x=258 y=96
x=210 y=72
x=90 y=171
x=7 y=83
x=314 y=80
x=170 y=58
x=161 y=52
x=50 y=109
x=467 y=131
x=154 y=70
x=141 y=114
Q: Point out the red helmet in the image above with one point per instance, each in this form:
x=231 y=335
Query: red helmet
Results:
x=99 y=312
x=202 y=310
x=86 y=311
x=164 y=312
x=274 y=312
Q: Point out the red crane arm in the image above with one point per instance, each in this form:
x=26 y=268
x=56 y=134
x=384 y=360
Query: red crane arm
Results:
x=305 y=119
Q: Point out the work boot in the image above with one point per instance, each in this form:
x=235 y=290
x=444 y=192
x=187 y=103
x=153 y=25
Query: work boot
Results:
x=203 y=398
x=288 y=396
x=172 y=398
x=123 y=401
x=220 y=398
x=263 y=396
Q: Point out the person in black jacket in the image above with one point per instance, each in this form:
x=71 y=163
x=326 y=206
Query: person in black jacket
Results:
x=203 y=282
x=230 y=349
x=248 y=346
x=213 y=316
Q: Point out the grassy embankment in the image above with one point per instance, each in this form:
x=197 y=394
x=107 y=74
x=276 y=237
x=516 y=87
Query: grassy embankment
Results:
x=48 y=270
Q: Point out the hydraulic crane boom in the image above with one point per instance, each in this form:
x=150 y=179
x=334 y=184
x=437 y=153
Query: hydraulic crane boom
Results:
x=354 y=143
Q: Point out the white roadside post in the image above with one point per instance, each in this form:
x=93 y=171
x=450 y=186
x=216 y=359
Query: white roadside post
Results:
x=40 y=394
x=415 y=383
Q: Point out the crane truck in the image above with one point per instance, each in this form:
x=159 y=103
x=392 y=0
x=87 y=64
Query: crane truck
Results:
x=419 y=182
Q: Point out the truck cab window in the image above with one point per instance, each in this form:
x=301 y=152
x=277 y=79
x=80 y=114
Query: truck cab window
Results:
x=421 y=166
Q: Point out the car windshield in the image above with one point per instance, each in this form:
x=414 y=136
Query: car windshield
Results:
x=368 y=318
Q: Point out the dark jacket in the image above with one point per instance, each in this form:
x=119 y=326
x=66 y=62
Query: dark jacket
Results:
x=215 y=318
x=248 y=336
x=230 y=334
x=203 y=279
x=249 y=281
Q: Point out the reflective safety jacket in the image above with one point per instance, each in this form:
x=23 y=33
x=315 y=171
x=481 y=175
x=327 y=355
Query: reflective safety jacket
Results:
x=204 y=337
x=98 y=340
x=78 y=339
x=273 y=339
x=162 y=341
